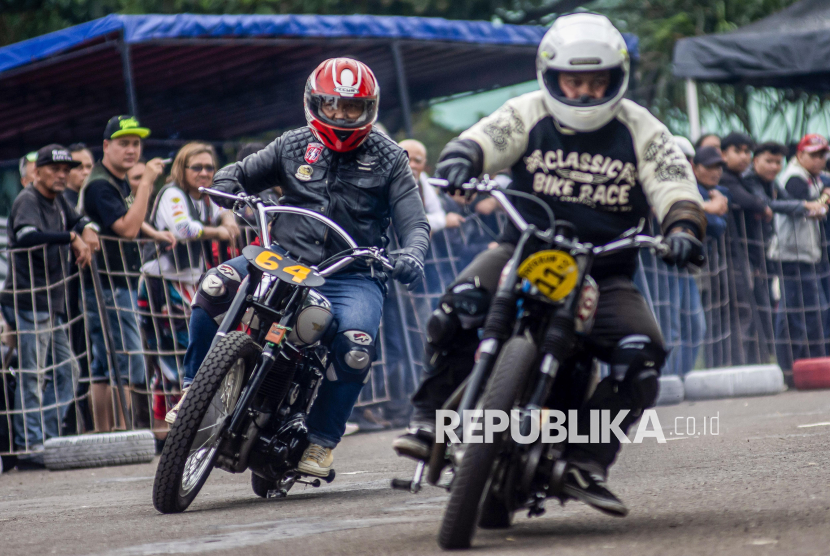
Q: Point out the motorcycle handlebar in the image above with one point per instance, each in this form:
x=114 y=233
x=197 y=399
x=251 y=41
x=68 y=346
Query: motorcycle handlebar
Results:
x=262 y=210
x=486 y=185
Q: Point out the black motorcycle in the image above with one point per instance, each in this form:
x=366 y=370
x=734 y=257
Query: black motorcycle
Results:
x=247 y=406
x=533 y=356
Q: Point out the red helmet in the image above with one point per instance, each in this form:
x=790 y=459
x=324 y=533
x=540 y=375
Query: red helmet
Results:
x=341 y=103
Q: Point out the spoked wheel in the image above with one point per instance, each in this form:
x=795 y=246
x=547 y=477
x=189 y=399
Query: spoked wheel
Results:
x=191 y=447
x=468 y=495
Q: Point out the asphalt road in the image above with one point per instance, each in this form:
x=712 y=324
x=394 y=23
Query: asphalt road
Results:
x=761 y=486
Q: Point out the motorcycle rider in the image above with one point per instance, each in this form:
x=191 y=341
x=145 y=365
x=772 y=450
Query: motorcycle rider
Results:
x=341 y=167
x=603 y=163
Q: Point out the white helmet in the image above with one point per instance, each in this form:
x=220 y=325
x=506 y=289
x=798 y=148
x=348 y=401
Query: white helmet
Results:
x=582 y=42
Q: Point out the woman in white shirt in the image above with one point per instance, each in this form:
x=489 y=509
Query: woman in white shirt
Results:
x=189 y=215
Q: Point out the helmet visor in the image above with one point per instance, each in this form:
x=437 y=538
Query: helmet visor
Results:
x=584 y=85
x=343 y=113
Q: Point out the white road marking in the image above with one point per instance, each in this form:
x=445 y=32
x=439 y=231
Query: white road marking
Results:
x=762 y=542
x=825 y=424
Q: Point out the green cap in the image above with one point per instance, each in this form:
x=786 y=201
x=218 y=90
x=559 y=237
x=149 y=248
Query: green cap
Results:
x=118 y=126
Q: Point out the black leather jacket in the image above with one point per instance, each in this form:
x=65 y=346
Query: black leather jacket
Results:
x=362 y=190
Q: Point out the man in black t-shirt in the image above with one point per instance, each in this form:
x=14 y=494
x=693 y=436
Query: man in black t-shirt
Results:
x=108 y=200
x=42 y=228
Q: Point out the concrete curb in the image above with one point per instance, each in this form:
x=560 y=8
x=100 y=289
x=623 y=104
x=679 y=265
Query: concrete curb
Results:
x=671 y=390
x=734 y=382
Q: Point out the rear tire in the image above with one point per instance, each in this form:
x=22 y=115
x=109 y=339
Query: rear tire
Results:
x=467 y=498
x=182 y=470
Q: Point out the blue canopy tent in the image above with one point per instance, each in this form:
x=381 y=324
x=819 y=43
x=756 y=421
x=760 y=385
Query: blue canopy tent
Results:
x=221 y=77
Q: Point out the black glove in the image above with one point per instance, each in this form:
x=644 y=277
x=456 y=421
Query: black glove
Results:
x=684 y=248
x=229 y=187
x=457 y=171
x=409 y=268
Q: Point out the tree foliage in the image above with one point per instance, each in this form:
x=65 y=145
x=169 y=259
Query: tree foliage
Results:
x=658 y=24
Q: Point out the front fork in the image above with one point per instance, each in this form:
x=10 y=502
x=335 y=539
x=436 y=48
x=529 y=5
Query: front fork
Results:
x=241 y=302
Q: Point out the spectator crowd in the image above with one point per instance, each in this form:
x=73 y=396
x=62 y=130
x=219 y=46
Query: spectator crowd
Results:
x=105 y=260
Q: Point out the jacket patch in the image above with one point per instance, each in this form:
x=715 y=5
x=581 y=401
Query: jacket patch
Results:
x=358 y=337
x=312 y=152
x=505 y=124
x=304 y=172
x=669 y=161
x=366 y=162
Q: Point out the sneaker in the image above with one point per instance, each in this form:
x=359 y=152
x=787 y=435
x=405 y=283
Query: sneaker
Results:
x=316 y=461
x=590 y=488
x=351 y=428
x=416 y=444
x=173 y=413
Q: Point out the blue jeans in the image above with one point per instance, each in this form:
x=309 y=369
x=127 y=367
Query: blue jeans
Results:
x=687 y=323
x=42 y=392
x=121 y=307
x=357 y=303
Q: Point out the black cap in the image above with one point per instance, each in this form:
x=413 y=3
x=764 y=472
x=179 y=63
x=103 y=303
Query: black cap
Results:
x=55 y=154
x=118 y=126
x=708 y=156
x=736 y=139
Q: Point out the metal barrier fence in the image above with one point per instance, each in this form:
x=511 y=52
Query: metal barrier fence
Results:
x=743 y=307
x=55 y=377
x=44 y=354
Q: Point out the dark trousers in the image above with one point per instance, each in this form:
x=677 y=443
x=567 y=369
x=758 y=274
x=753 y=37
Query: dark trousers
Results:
x=622 y=311
x=801 y=321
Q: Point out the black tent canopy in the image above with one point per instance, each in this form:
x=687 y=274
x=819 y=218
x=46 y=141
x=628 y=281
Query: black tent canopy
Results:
x=789 y=49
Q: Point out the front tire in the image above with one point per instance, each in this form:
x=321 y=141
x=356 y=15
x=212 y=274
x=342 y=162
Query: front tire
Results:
x=494 y=513
x=191 y=447
x=503 y=390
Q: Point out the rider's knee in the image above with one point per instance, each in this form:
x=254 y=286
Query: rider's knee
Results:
x=453 y=325
x=636 y=363
x=352 y=354
x=217 y=290
x=463 y=307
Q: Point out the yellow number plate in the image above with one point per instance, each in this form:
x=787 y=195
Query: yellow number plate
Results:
x=267 y=260
x=553 y=272
x=282 y=267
